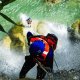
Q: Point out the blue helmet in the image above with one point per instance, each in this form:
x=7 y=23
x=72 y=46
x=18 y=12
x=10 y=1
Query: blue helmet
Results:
x=37 y=48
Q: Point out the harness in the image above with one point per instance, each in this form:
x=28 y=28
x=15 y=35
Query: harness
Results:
x=46 y=49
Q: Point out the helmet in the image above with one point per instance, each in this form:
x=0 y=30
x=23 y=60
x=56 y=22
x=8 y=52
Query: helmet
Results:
x=36 y=48
x=52 y=37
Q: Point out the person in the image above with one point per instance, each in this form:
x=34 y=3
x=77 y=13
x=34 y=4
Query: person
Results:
x=41 y=48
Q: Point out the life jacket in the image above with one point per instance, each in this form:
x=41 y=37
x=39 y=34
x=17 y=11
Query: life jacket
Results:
x=46 y=47
x=51 y=40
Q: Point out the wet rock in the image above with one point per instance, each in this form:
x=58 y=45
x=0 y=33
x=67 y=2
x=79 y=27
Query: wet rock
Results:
x=60 y=75
x=74 y=30
x=53 y=1
x=67 y=75
x=4 y=77
x=16 y=39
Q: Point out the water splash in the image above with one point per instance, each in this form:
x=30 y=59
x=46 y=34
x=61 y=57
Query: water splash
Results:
x=10 y=63
x=66 y=55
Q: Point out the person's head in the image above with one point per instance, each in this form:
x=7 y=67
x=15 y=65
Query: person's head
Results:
x=51 y=38
x=29 y=20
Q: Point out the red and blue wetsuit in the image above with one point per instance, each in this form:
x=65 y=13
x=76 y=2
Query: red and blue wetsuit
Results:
x=42 y=48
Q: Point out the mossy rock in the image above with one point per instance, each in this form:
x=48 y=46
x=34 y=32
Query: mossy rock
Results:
x=74 y=30
x=53 y=1
x=16 y=39
x=76 y=26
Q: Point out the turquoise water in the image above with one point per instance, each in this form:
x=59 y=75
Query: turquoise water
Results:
x=65 y=12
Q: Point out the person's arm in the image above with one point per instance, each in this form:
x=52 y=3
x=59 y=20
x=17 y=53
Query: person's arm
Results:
x=29 y=36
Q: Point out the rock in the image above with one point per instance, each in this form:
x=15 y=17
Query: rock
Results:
x=76 y=28
x=61 y=75
x=67 y=75
x=74 y=31
x=53 y=1
x=17 y=38
x=4 y=77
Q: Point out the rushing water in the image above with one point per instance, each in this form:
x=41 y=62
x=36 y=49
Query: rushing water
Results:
x=67 y=54
x=61 y=16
